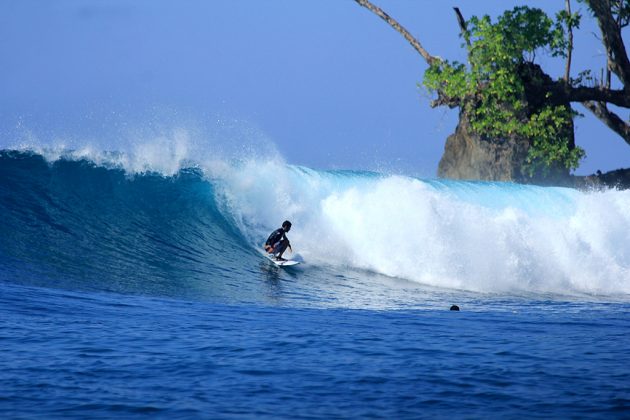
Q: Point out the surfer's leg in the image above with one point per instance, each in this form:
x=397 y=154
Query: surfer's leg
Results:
x=280 y=248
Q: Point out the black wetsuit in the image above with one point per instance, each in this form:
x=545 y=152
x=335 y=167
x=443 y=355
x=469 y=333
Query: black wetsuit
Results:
x=276 y=236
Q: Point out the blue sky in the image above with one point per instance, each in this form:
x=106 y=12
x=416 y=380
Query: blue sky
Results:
x=327 y=82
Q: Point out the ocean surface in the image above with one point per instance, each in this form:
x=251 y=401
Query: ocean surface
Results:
x=134 y=286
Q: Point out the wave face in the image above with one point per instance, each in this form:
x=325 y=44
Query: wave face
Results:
x=89 y=222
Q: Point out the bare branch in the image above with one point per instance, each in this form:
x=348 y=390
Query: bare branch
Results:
x=612 y=120
x=398 y=27
x=443 y=100
x=597 y=94
x=567 y=69
x=612 y=40
x=463 y=27
x=462 y=24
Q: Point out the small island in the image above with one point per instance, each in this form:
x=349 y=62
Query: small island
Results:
x=515 y=120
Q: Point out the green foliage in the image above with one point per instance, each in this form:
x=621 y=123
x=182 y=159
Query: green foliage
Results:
x=568 y=21
x=549 y=147
x=492 y=86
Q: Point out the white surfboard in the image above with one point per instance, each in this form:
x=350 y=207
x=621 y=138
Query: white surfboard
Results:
x=285 y=263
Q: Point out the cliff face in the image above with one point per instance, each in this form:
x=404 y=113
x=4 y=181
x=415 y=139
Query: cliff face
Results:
x=470 y=156
x=467 y=155
x=618 y=179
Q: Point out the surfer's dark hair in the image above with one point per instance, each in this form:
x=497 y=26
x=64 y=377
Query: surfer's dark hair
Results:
x=286 y=223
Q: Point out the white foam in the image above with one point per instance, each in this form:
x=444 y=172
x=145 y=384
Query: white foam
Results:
x=549 y=240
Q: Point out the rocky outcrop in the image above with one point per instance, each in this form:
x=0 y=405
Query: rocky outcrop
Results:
x=467 y=155
x=470 y=156
x=619 y=179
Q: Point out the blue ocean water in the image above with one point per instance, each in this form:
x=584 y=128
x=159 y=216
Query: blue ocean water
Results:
x=136 y=288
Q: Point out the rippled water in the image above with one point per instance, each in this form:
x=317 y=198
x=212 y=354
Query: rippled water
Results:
x=105 y=355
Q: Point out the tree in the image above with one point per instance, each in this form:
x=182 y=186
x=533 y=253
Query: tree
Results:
x=516 y=122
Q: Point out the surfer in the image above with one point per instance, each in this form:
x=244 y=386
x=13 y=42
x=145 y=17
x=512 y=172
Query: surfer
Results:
x=278 y=242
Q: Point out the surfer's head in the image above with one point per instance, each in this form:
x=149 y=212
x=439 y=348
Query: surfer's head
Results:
x=286 y=225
